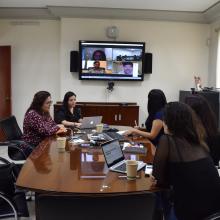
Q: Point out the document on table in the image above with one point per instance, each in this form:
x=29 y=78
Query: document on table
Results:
x=121 y=132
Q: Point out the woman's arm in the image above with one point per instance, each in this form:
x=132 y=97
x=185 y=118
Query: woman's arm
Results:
x=67 y=123
x=42 y=126
x=161 y=162
x=70 y=124
x=155 y=130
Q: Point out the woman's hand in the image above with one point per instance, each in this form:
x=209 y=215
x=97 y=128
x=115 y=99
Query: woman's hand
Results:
x=130 y=132
x=136 y=127
x=153 y=180
x=60 y=125
x=61 y=130
x=77 y=124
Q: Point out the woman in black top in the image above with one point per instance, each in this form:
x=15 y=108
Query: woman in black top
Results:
x=69 y=114
x=154 y=123
x=182 y=161
x=204 y=111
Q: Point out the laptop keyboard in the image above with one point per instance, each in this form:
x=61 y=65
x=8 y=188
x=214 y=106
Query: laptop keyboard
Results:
x=121 y=167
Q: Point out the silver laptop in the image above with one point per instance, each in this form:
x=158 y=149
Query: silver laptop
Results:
x=90 y=122
x=114 y=157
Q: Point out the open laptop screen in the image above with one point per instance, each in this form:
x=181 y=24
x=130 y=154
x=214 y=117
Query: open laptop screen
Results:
x=112 y=152
x=90 y=122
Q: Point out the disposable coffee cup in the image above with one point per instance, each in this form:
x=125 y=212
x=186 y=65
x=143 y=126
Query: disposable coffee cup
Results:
x=61 y=144
x=99 y=128
x=131 y=168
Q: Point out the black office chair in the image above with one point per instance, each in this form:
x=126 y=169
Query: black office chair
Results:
x=94 y=207
x=11 y=128
x=15 y=152
x=12 y=201
x=13 y=134
x=7 y=208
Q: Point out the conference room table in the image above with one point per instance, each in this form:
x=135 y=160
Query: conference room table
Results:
x=80 y=170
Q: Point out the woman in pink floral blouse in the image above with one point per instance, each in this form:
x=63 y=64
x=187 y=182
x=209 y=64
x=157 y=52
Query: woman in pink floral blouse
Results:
x=38 y=123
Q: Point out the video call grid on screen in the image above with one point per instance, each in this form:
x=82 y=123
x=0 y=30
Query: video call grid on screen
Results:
x=121 y=61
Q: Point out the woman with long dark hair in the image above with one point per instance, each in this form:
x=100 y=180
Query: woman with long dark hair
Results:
x=38 y=123
x=182 y=161
x=69 y=115
x=154 y=123
x=205 y=113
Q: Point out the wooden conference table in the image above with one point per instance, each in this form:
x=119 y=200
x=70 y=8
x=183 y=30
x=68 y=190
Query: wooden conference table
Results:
x=79 y=170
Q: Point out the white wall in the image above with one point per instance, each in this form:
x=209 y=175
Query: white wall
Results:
x=41 y=56
x=213 y=53
x=35 y=61
x=179 y=52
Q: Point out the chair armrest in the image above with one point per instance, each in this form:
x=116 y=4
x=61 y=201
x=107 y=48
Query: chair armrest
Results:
x=17 y=142
x=4 y=161
x=18 y=149
x=4 y=143
x=5 y=196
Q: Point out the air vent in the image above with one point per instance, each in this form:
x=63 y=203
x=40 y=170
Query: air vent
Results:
x=29 y=23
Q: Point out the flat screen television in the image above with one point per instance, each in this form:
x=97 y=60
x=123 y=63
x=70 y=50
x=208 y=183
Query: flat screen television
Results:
x=105 y=60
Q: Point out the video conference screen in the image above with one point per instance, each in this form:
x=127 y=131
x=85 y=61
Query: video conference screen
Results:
x=111 y=60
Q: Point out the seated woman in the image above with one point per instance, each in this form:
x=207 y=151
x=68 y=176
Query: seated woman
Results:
x=182 y=161
x=204 y=111
x=38 y=123
x=154 y=124
x=69 y=115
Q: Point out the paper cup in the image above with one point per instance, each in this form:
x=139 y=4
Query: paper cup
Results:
x=99 y=128
x=131 y=168
x=61 y=144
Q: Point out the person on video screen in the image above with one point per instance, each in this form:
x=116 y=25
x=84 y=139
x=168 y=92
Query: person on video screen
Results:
x=96 y=68
x=128 y=68
x=99 y=55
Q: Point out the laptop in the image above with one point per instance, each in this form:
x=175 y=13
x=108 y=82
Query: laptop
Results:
x=110 y=135
x=90 y=122
x=114 y=157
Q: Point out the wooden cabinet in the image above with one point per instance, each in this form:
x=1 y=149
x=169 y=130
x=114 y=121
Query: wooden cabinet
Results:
x=128 y=115
x=113 y=113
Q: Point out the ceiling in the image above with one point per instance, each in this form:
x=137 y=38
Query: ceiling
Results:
x=170 y=5
x=196 y=11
